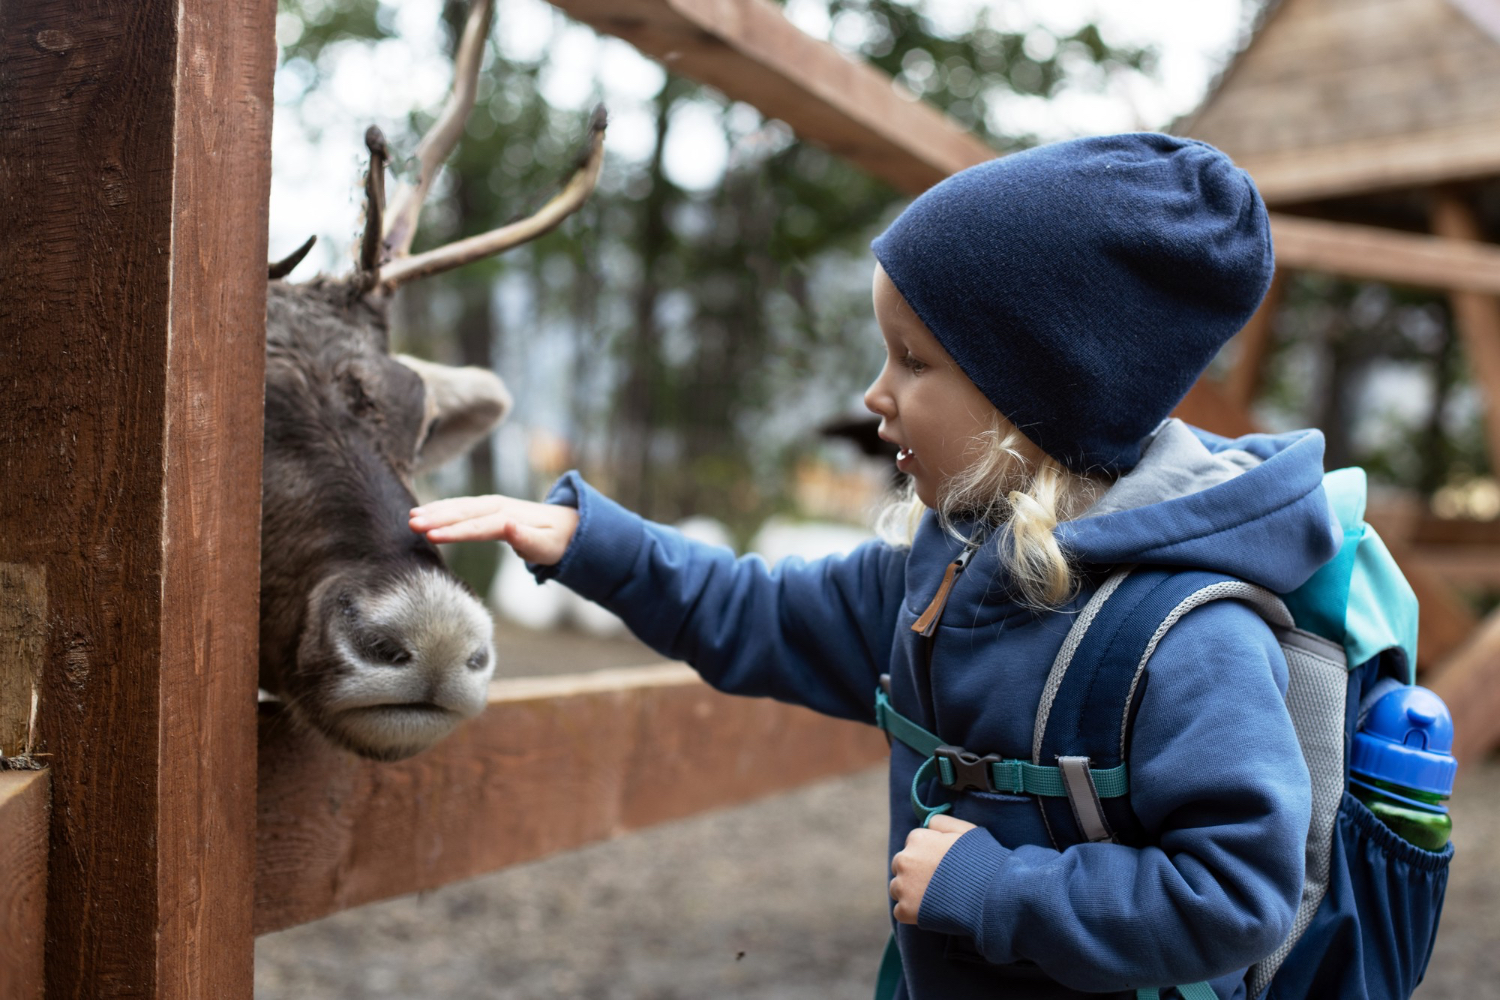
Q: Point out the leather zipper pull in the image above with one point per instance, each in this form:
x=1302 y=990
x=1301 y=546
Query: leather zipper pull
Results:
x=928 y=622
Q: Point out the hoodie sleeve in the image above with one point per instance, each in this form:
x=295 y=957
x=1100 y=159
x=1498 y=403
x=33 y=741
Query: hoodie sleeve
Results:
x=816 y=634
x=1217 y=779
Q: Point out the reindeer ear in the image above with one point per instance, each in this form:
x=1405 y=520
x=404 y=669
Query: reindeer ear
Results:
x=462 y=406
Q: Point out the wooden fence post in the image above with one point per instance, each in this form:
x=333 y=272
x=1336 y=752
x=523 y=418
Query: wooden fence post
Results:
x=135 y=160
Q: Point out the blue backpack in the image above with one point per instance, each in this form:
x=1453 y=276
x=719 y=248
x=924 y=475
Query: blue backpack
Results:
x=1368 y=916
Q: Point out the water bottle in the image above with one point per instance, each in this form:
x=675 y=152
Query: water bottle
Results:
x=1402 y=765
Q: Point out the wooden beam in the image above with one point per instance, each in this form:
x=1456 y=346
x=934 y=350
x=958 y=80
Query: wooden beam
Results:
x=553 y=764
x=1446 y=620
x=1208 y=405
x=1377 y=254
x=1477 y=315
x=135 y=153
x=1385 y=163
x=23 y=883
x=751 y=52
x=1253 y=343
x=1467 y=683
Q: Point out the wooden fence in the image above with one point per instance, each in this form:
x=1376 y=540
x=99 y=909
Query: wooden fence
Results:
x=135 y=153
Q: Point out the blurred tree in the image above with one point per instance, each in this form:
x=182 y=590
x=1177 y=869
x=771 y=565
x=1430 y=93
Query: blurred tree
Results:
x=708 y=332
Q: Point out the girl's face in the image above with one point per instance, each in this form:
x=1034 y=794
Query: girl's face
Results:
x=927 y=406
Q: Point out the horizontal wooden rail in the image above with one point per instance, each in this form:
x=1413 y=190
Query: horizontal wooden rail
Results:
x=23 y=882
x=553 y=764
x=751 y=52
x=1378 y=254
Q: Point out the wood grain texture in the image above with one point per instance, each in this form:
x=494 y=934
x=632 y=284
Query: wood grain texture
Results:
x=1386 y=255
x=130 y=378
x=751 y=52
x=551 y=765
x=23 y=882
x=1467 y=683
x=1252 y=344
x=1476 y=315
x=1333 y=98
x=1446 y=621
x=23 y=643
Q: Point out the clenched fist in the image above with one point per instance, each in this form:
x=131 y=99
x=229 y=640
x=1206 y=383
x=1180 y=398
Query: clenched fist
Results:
x=913 y=865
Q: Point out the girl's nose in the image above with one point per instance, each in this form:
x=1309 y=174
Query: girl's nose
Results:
x=877 y=400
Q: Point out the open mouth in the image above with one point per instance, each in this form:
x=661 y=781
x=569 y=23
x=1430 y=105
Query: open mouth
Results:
x=904 y=458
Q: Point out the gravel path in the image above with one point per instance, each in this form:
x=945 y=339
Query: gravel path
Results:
x=779 y=899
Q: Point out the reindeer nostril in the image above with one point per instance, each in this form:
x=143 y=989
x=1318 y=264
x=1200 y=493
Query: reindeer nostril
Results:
x=479 y=660
x=383 y=649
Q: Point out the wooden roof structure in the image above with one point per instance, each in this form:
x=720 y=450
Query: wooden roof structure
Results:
x=1385 y=114
x=1334 y=99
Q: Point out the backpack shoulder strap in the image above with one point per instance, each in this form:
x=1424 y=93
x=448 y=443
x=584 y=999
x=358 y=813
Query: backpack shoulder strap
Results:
x=1097 y=681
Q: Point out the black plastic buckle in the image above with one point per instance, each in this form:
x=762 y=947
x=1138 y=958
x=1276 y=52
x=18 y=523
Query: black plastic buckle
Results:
x=970 y=771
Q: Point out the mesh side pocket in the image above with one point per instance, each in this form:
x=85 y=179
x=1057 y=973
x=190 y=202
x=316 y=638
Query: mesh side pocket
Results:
x=1373 y=934
x=1316 y=698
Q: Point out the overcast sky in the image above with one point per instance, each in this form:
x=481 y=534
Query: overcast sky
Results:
x=317 y=148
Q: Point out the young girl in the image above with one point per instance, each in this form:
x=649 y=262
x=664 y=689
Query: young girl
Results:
x=1042 y=314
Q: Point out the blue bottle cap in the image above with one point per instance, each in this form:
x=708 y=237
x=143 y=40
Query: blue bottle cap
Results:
x=1407 y=739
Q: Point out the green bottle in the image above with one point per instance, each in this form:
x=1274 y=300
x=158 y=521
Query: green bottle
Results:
x=1402 y=765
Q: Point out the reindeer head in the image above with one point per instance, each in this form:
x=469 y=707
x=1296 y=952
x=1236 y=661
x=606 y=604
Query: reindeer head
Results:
x=365 y=634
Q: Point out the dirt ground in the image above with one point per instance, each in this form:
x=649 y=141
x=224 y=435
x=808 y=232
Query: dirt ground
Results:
x=779 y=899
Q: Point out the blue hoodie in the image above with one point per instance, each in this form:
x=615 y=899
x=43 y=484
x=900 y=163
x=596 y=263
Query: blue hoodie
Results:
x=1216 y=776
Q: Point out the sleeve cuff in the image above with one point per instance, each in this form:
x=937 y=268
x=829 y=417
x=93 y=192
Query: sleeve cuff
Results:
x=955 y=900
x=603 y=551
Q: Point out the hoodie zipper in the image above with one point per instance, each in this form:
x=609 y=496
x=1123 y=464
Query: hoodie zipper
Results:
x=927 y=623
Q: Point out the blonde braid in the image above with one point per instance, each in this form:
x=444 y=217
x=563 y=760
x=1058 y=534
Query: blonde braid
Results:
x=1027 y=494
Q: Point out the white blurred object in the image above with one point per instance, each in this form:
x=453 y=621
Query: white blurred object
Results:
x=779 y=538
x=592 y=618
x=705 y=529
x=517 y=597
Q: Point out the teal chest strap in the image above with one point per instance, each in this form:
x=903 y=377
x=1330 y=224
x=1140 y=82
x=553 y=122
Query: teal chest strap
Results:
x=961 y=770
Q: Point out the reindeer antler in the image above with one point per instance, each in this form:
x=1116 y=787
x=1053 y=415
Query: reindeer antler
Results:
x=445 y=132
x=577 y=190
x=369 y=248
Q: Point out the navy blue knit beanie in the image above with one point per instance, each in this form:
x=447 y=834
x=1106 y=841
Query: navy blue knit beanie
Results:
x=1084 y=286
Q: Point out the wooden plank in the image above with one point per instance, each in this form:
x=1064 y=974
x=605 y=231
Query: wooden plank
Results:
x=138 y=131
x=751 y=52
x=1385 y=255
x=1253 y=343
x=1467 y=683
x=1380 y=163
x=23 y=882
x=1208 y=405
x=1476 y=315
x=553 y=764
x=1446 y=620
x=23 y=640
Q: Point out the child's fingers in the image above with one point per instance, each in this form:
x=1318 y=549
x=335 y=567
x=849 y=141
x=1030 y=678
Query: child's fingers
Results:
x=486 y=528
x=454 y=509
x=943 y=823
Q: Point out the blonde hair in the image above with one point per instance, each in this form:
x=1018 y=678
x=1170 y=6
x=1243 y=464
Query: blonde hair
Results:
x=1016 y=488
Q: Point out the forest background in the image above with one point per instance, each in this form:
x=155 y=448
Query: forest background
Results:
x=686 y=336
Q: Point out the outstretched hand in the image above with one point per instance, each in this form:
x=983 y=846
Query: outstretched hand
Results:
x=539 y=532
x=914 y=864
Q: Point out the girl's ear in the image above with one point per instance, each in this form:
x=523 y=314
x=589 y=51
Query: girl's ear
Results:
x=462 y=406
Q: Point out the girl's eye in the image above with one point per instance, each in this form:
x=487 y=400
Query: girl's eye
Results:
x=911 y=363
